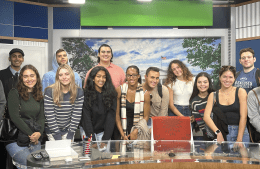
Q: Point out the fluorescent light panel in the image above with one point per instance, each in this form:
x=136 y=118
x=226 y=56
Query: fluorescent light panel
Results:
x=144 y=0
x=77 y=1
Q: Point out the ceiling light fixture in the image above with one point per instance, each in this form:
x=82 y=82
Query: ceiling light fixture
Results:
x=144 y=0
x=77 y=1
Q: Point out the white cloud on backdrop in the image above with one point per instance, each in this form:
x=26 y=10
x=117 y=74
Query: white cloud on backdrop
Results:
x=145 y=52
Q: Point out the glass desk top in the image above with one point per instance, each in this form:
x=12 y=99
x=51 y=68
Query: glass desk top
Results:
x=170 y=151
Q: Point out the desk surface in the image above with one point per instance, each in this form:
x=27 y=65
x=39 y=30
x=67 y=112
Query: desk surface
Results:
x=177 y=152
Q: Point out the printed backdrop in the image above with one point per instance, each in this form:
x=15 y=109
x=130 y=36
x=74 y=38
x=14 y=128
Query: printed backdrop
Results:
x=199 y=54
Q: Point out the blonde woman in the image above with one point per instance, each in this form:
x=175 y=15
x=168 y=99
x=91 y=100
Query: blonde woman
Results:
x=63 y=102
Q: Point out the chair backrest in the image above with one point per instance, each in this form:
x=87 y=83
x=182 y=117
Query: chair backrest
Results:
x=171 y=128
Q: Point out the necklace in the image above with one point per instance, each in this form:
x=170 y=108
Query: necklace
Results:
x=227 y=94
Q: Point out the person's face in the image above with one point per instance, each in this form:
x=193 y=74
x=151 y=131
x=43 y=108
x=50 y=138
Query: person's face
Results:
x=227 y=79
x=105 y=54
x=64 y=77
x=100 y=80
x=247 y=60
x=132 y=76
x=16 y=59
x=176 y=69
x=29 y=78
x=62 y=58
x=152 y=79
x=203 y=84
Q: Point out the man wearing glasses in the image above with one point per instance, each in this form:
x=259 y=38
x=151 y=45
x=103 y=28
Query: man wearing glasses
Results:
x=159 y=94
x=248 y=77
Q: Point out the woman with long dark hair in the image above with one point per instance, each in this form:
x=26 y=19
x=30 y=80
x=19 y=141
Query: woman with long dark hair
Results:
x=133 y=107
x=202 y=88
x=232 y=101
x=180 y=84
x=25 y=106
x=63 y=102
x=99 y=107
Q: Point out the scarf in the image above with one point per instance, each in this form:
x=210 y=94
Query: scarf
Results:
x=138 y=107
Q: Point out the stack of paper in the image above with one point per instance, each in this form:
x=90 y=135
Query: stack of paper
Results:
x=60 y=150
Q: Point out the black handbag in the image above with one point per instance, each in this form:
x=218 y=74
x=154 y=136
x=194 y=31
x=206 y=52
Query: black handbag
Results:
x=254 y=135
x=8 y=130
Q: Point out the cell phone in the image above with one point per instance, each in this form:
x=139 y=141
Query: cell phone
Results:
x=37 y=156
x=44 y=154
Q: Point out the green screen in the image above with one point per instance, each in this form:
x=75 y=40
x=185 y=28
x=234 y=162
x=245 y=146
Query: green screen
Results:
x=155 y=13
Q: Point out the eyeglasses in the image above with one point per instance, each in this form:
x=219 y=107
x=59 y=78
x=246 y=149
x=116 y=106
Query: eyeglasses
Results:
x=151 y=96
x=133 y=75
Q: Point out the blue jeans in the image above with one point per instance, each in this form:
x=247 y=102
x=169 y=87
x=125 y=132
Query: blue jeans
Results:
x=233 y=132
x=185 y=110
x=19 y=154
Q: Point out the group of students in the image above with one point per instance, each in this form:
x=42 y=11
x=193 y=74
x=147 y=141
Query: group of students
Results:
x=110 y=107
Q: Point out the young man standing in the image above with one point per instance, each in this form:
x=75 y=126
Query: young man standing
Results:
x=248 y=77
x=60 y=58
x=159 y=94
x=9 y=76
x=9 y=79
x=105 y=56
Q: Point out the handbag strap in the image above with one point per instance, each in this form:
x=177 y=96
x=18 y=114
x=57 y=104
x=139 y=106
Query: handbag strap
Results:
x=256 y=96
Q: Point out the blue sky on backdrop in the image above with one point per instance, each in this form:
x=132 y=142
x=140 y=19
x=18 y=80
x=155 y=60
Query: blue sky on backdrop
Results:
x=146 y=52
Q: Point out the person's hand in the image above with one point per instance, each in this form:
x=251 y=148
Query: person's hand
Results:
x=35 y=137
x=94 y=145
x=124 y=137
x=133 y=135
x=192 y=119
x=220 y=138
x=102 y=145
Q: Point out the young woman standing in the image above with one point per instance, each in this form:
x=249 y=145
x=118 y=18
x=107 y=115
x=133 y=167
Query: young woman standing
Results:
x=25 y=106
x=180 y=84
x=63 y=102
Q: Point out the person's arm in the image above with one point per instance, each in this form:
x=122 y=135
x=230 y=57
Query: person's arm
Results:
x=41 y=121
x=242 y=95
x=2 y=99
x=86 y=121
x=171 y=105
x=208 y=120
x=165 y=102
x=76 y=114
x=253 y=110
x=118 y=120
x=50 y=114
x=110 y=121
x=13 y=107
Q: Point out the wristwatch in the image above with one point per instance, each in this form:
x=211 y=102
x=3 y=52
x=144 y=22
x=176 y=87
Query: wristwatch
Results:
x=217 y=131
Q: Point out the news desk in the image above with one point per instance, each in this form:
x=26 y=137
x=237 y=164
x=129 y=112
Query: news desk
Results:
x=159 y=154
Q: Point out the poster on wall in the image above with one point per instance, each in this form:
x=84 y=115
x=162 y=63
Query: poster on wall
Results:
x=198 y=54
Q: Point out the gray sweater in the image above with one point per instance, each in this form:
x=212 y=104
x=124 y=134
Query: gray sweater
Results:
x=254 y=108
